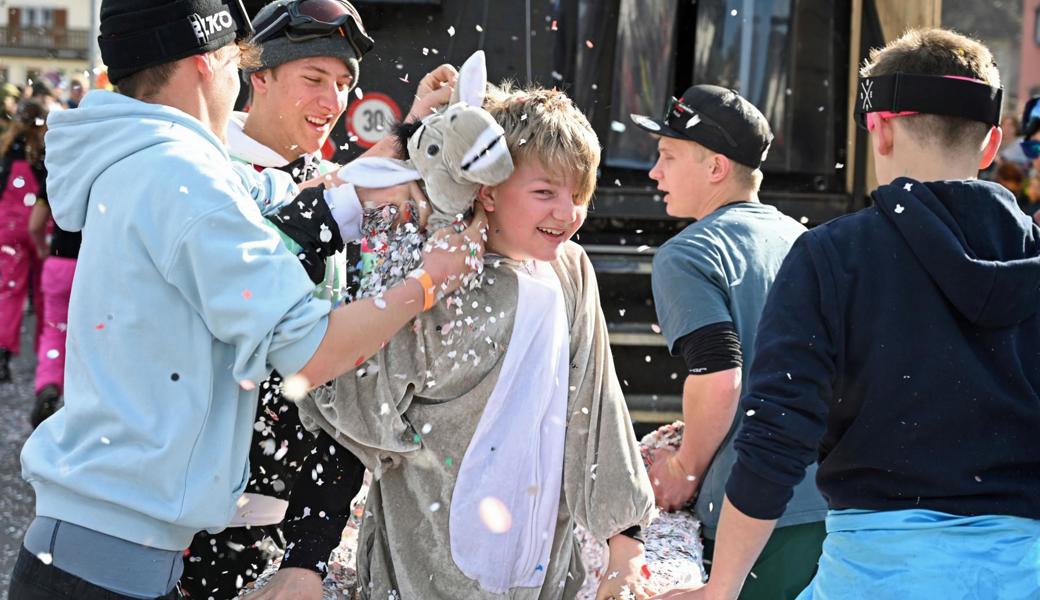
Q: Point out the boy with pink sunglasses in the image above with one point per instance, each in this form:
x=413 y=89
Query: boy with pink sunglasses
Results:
x=900 y=350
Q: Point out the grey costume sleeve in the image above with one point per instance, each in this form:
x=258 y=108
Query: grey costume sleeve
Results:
x=605 y=482
x=366 y=411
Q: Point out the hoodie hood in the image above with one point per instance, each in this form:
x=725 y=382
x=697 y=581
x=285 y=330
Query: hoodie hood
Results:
x=106 y=128
x=976 y=244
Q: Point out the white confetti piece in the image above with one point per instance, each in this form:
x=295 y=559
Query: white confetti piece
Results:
x=45 y=557
x=18 y=182
x=908 y=186
x=693 y=121
x=618 y=126
x=29 y=199
x=451 y=31
x=325 y=234
x=495 y=515
x=435 y=507
x=53 y=354
x=295 y=387
x=183 y=189
x=105 y=440
x=899 y=208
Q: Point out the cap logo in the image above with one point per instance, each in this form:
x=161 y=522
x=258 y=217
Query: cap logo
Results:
x=211 y=25
x=866 y=95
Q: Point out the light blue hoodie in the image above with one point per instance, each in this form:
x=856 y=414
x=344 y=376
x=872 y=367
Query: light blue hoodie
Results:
x=181 y=293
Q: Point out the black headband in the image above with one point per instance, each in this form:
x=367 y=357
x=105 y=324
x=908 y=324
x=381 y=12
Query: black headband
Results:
x=929 y=94
x=193 y=27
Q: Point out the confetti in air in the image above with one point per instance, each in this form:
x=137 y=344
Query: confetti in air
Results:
x=451 y=31
x=295 y=387
x=494 y=515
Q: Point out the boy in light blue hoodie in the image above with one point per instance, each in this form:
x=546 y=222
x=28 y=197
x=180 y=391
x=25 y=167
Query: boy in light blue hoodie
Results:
x=183 y=299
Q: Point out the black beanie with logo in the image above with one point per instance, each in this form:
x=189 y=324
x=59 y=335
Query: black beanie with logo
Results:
x=138 y=34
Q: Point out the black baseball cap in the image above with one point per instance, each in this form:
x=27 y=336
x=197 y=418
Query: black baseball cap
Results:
x=717 y=118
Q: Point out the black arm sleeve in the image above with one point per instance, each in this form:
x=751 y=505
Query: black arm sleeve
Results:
x=318 y=513
x=635 y=532
x=711 y=349
x=307 y=220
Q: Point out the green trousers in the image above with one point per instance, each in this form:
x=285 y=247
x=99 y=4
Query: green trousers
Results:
x=785 y=567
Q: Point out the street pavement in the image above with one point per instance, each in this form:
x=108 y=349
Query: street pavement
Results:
x=16 y=497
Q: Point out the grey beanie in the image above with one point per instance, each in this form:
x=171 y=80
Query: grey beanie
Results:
x=280 y=50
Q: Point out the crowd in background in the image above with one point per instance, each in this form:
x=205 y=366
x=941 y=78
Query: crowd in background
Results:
x=37 y=259
x=1018 y=164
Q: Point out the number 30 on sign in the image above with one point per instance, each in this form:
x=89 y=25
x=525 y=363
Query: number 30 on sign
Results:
x=371 y=118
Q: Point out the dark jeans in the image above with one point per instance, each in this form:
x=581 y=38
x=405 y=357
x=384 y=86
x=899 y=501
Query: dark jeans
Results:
x=34 y=580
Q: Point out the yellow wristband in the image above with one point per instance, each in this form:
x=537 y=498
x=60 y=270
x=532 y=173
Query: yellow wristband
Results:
x=429 y=290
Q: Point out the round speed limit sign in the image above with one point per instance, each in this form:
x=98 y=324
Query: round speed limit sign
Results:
x=371 y=118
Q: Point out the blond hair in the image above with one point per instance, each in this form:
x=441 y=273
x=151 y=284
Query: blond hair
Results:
x=941 y=52
x=545 y=125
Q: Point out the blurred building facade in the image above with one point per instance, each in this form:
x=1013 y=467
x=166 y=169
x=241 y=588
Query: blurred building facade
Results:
x=45 y=38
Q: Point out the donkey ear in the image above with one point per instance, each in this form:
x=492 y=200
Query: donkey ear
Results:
x=472 y=82
x=377 y=172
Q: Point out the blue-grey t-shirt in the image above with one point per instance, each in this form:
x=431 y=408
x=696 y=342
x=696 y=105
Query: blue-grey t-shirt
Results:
x=718 y=270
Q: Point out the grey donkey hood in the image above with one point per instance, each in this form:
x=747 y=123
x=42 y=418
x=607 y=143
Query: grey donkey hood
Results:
x=106 y=128
x=975 y=243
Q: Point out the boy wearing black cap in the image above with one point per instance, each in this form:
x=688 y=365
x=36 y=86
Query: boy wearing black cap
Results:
x=202 y=300
x=900 y=349
x=709 y=285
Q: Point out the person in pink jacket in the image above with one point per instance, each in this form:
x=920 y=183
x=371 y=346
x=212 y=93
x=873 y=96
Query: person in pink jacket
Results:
x=22 y=181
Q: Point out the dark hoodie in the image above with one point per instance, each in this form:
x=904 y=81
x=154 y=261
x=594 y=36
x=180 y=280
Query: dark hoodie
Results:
x=900 y=347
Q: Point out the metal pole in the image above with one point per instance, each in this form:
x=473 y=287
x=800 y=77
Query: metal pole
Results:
x=92 y=45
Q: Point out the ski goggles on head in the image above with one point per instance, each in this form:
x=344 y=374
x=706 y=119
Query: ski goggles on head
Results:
x=1031 y=148
x=903 y=94
x=303 y=20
